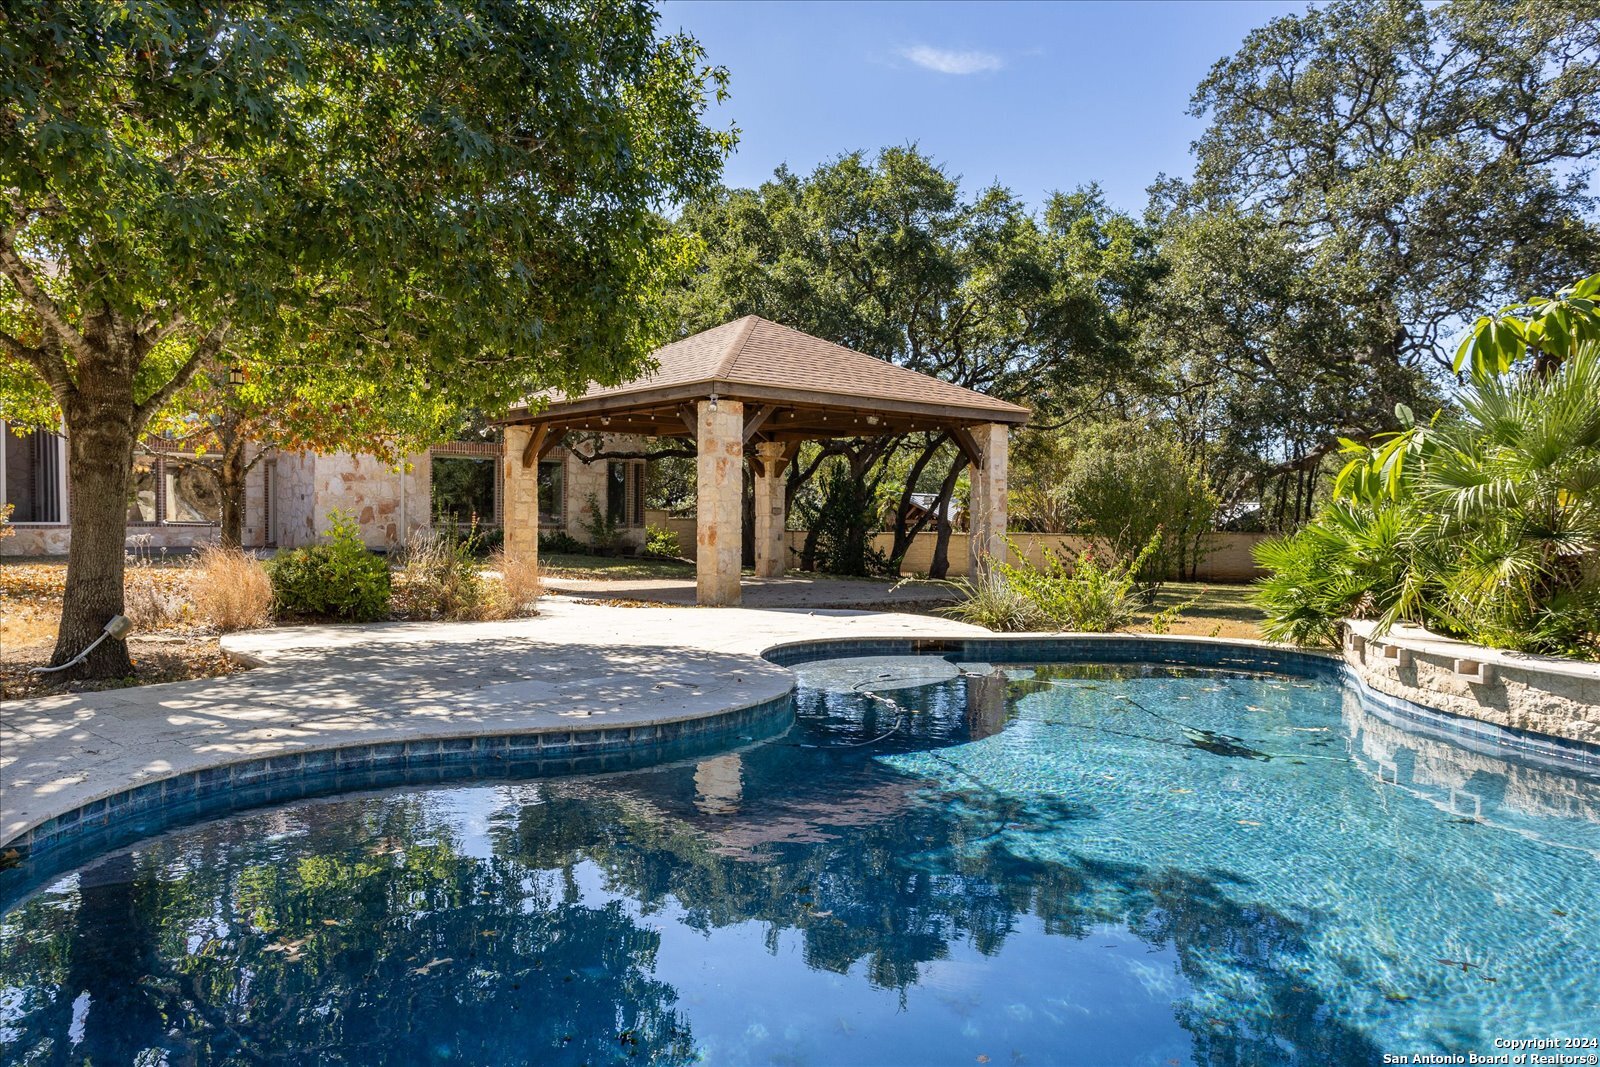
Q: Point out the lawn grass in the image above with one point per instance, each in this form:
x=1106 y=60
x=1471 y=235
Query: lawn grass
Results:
x=1221 y=610
x=617 y=568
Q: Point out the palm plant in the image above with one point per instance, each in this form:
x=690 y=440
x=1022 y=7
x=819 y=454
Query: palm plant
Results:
x=1484 y=524
x=1513 y=484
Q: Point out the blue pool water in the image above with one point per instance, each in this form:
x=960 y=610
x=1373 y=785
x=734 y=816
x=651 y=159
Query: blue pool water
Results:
x=1053 y=865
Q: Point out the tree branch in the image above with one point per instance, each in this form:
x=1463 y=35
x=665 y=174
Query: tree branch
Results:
x=49 y=313
x=204 y=349
x=599 y=454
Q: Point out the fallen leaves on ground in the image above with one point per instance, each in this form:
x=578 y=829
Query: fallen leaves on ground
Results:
x=164 y=649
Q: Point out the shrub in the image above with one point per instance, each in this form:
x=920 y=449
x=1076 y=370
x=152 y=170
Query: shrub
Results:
x=660 y=541
x=230 y=589
x=153 y=597
x=6 y=529
x=841 y=513
x=990 y=600
x=562 y=543
x=1088 y=596
x=336 y=578
x=1484 y=524
x=601 y=528
x=438 y=579
x=518 y=589
x=1127 y=483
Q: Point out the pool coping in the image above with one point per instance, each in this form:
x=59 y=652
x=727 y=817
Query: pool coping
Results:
x=228 y=785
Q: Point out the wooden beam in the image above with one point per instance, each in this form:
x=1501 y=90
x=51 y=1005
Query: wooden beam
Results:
x=756 y=419
x=535 y=443
x=968 y=445
x=556 y=435
x=687 y=414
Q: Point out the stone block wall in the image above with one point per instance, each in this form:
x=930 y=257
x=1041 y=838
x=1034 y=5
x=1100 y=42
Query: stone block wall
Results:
x=1541 y=694
x=586 y=485
x=390 y=505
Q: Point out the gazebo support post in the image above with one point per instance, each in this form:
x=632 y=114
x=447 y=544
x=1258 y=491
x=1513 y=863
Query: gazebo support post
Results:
x=988 y=519
x=719 y=468
x=772 y=549
x=519 y=493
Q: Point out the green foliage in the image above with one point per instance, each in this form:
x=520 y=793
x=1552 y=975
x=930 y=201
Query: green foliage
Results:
x=883 y=253
x=991 y=600
x=438 y=578
x=380 y=213
x=1417 y=157
x=845 y=513
x=562 y=543
x=336 y=578
x=603 y=530
x=463 y=489
x=1550 y=328
x=1489 y=530
x=660 y=541
x=1353 y=561
x=1127 y=486
x=1086 y=596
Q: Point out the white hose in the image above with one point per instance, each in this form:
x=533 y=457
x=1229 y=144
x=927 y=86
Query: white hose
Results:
x=117 y=626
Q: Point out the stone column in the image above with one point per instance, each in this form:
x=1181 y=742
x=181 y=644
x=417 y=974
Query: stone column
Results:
x=719 y=443
x=988 y=519
x=519 y=497
x=772 y=547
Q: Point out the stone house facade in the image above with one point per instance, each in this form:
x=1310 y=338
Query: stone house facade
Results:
x=289 y=497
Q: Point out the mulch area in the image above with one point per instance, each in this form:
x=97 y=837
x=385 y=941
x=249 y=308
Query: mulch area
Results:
x=165 y=650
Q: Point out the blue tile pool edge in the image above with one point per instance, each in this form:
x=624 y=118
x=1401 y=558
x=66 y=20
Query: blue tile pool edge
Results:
x=1181 y=651
x=156 y=806
x=151 y=807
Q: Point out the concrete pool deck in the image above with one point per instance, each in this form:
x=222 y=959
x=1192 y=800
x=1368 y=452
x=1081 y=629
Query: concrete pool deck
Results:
x=573 y=667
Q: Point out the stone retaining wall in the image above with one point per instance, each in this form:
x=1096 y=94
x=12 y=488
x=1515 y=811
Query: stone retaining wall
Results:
x=1540 y=694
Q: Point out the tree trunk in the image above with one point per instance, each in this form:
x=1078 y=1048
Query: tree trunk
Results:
x=905 y=532
x=230 y=481
x=100 y=440
x=939 y=567
x=747 y=518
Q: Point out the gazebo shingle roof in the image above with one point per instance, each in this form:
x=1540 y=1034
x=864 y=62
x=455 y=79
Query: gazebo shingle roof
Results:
x=755 y=359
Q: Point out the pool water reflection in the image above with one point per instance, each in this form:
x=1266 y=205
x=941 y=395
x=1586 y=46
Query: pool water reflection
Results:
x=1095 y=865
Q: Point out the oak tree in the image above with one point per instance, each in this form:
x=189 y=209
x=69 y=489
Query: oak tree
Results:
x=461 y=196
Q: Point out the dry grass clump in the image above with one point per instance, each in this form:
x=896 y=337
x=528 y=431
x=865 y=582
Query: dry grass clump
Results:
x=155 y=597
x=437 y=578
x=230 y=589
x=518 y=590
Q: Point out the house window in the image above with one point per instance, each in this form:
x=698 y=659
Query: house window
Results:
x=33 y=475
x=625 y=493
x=463 y=489
x=552 y=492
x=269 y=512
x=193 y=490
x=144 y=501
x=617 y=493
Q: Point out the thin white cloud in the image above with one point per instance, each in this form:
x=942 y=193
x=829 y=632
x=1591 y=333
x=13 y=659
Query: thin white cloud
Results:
x=950 y=61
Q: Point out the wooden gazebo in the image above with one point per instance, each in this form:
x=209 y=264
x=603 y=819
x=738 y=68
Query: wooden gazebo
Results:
x=752 y=390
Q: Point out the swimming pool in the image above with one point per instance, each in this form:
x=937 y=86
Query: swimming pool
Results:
x=940 y=862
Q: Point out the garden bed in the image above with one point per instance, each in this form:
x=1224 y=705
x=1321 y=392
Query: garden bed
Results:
x=169 y=644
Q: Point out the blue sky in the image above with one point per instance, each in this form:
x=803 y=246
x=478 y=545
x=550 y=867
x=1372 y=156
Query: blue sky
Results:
x=1037 y=96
